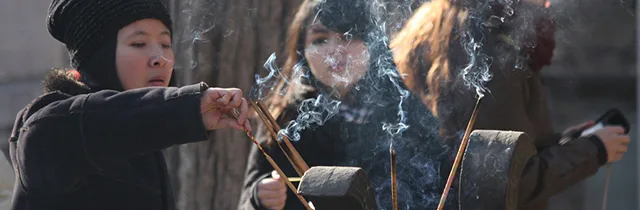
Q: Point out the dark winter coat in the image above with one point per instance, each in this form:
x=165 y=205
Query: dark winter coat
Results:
x=72 y=149
x=518 y=102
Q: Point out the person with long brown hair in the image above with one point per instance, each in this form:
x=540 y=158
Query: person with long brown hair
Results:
x=337 y=58
x=449 y=49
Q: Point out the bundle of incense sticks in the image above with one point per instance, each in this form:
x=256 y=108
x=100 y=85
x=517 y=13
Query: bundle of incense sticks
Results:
x=284 y=143
x=275 y=166
x=463 y=147
x=394 y=186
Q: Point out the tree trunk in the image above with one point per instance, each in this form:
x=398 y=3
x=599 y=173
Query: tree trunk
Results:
x=224 y=43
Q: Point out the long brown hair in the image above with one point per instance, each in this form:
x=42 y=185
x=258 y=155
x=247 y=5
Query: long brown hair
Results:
x=425 y=42
x=429 y=53
x=294 y=50
x=295 y=76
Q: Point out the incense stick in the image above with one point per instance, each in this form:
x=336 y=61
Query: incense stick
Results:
x=280 y=172
x=296 y=156
x=290 y=152
x=285 y=151
x=272 y=126
x=275 y=166
x=274 y=134
x=606 y=187
x=463 y=147
x=295 y=179
x=394 y=189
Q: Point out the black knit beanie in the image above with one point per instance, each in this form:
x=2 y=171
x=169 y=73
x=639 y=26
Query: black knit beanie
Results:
x=89 y=29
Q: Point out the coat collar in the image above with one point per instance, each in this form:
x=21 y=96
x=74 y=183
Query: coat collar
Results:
x=64 y=81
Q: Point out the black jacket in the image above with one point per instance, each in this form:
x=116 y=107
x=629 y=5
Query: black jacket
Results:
x=72 y=149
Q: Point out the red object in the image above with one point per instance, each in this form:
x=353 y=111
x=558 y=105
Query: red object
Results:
x=74 y=73
x=542 y=53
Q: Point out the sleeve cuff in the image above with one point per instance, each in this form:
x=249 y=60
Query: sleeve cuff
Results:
x=191 y=117
x=195 y=89
x=602 y=150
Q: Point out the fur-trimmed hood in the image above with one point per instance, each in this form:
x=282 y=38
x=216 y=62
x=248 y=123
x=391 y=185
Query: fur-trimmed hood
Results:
x=64 y=81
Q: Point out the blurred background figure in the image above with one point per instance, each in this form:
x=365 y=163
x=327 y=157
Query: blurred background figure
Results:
x=449 y=48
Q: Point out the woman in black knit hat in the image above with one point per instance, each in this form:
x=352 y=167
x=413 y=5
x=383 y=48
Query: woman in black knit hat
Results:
x=93 y=140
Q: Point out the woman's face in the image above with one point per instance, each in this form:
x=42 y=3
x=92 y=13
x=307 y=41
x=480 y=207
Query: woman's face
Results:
x=335 y=59
x=144 y=56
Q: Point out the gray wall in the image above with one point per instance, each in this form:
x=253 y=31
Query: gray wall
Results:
x=26 y=52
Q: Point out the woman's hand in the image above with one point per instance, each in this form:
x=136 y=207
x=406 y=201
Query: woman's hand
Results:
x=612 y=137
x=615 y=141
x=217 y=104
x=272 y=192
